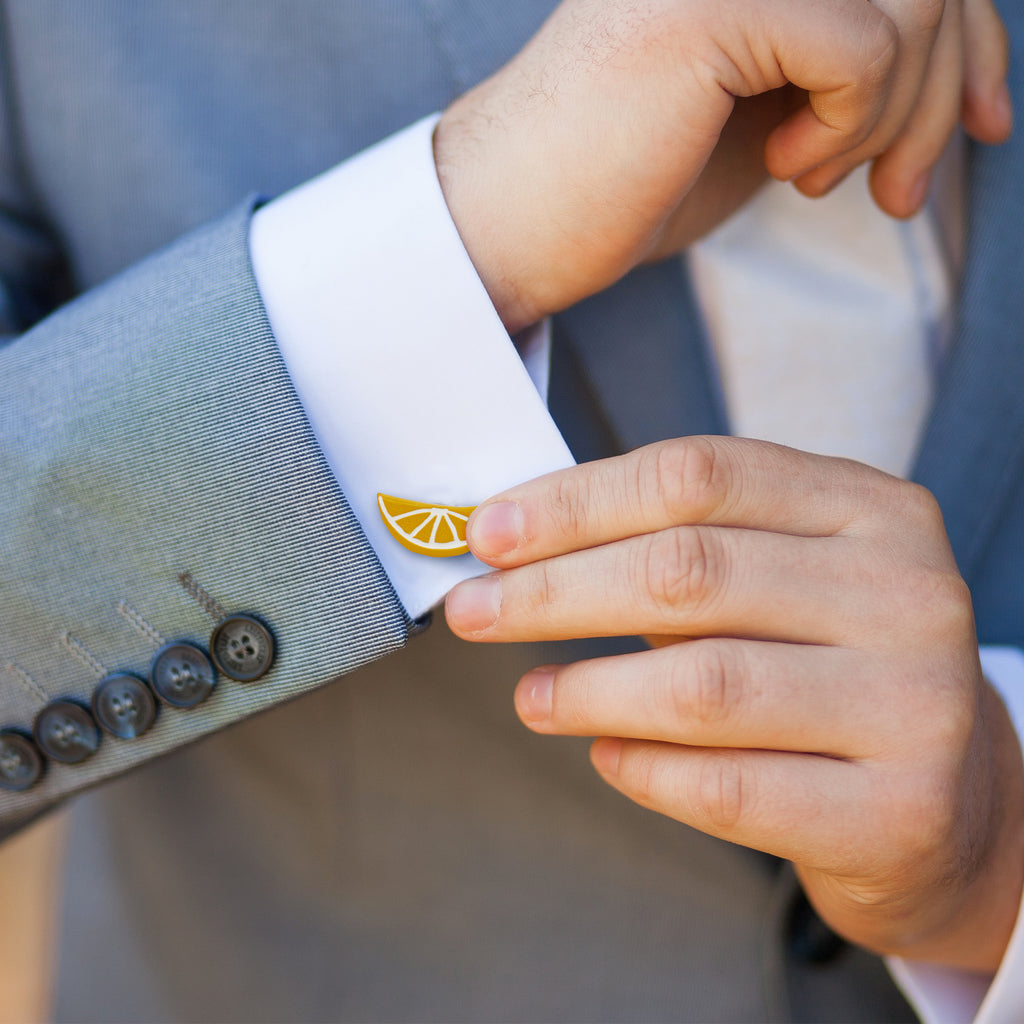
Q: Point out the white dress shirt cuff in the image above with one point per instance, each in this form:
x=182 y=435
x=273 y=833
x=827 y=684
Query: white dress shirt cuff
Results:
x=409 y=379
x=942 y=995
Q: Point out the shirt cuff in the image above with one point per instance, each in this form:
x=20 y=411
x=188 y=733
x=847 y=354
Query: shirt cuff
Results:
x=409 y=379
x=943 y=995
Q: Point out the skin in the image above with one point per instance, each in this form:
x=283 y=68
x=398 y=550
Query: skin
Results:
x=815 y=691
x=826 y=705
x=625 y=129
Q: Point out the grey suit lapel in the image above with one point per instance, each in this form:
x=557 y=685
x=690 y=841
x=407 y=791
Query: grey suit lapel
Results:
x=639 y=349
x=973 y=448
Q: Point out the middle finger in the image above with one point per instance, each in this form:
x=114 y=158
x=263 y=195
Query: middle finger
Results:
x=917 y=24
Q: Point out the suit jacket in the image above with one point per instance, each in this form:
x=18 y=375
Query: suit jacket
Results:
x=393 y=846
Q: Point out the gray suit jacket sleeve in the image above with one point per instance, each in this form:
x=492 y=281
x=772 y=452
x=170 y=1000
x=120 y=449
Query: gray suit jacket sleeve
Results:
x=148 y=434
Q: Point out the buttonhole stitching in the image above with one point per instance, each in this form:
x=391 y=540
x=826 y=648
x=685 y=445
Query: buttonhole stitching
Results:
x=26 y=682
x=139 y=624
x=201 y=596
x=78 y=651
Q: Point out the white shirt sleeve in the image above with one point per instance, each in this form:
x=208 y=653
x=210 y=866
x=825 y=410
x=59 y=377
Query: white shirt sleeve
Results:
x=941 y=995
x=409 y=379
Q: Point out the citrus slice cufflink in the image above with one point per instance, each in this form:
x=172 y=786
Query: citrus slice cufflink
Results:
x=435 y=530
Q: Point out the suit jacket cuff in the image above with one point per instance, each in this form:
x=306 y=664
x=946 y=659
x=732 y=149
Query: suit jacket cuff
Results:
x=152 y=431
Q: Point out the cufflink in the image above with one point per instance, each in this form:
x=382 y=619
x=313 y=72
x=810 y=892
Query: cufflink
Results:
x=435 y=530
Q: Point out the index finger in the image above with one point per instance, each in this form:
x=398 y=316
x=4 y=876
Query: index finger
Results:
x=723 y=481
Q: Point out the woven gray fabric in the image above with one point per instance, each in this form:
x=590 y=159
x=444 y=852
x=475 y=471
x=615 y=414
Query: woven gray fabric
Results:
x=176 y=445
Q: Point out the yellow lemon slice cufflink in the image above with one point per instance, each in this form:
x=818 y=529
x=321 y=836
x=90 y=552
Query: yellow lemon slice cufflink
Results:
x=435 y=530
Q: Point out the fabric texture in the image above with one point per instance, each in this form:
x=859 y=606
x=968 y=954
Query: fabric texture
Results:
x=133 y=468
x=394 y=846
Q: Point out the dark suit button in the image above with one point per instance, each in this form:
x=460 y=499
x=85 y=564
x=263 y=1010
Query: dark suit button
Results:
x=181 y=675
x=242 y=648
x=124 y=706
x=21 y=764
x=66 y=732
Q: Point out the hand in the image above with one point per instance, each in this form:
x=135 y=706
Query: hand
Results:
x=573 y=163
x=830 y=708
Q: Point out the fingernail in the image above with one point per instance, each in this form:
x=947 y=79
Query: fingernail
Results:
x=919 y=191
x=473 y=605
x=496 y=529
x=533 y=695
x=606 y=754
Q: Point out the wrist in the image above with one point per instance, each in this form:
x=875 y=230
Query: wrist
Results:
x=991 y=901
x=478 y=202
x=982 y=908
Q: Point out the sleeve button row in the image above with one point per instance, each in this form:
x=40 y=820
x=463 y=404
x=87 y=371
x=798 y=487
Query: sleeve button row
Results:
x=181 y=676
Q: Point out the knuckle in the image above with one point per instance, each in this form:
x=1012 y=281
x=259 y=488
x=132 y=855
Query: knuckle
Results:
x=541 y=595
x=951 y=599
x=568 y=506
x=665 y=468
x=704 y=689
x=940 y=603
x=938 y=718
x=643 y=776
x=922 y=508
x=725 y=790
x=679 y=569
x=926 y=15
x=953 y=723
x=882 y=46
x=879 y=51
x=688 y=475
